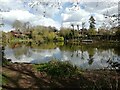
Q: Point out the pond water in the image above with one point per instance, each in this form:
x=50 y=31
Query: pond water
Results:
x=85 y=56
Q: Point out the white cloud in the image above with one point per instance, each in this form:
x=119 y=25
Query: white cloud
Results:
x=110 y=11
x=20 y=10
x=7 y=5
x=25 y=16
x=10 y=17
x=74 y=15
x=46 y=22
x=99 y=17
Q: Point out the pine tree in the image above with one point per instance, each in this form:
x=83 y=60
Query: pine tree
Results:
x=92 y=23
x=92 y=26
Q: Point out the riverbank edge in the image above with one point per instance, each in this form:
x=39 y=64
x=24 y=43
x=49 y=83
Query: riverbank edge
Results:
x=86 y=77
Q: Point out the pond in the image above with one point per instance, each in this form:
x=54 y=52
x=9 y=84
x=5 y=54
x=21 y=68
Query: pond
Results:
x=85 y=56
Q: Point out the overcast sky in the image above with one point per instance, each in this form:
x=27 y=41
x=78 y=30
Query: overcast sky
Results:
x=63 y=14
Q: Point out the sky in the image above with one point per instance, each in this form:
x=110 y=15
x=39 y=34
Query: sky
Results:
x=62 y=14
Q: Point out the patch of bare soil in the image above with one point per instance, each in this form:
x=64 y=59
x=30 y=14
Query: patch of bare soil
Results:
x=25 y=76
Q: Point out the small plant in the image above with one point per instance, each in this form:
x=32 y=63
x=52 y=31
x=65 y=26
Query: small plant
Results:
x=3 y=79
x=58 y=68
x=5 y=61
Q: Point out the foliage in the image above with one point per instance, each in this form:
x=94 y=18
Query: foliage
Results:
x=51 y=36
x=57 y=68
x=92 y=22
x=43 y=33
x=59 y=39
x=91 y=32
x=102 y=31
x=3 y=80
x=64 y=32
x=49 y=45
x=18 y=25
x=68 y=33
x=118 y=34
x=3 y=37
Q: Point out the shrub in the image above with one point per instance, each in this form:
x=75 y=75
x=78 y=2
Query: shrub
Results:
x=59 y=69
x=60 y=39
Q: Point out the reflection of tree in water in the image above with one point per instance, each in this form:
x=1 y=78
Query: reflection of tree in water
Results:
x=2 y=58
x=82 y=56
x=90 y=60
x=74 y=50
x=111 y=63
x=29 y=44
x=14 y=45
x=75 y=53
x=90 y=50
x=117 y=50
x=18 y=52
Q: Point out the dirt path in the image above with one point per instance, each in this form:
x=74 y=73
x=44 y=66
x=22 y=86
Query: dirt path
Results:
x=25 y=76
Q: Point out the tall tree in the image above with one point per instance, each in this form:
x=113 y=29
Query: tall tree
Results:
x=73 y=32
x=72 y=26
x=78 y=26
x=92 y=23
x=83 y=25
x=26 y=26
x=92 y=26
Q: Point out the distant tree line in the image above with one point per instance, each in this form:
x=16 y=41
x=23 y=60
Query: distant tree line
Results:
x=40 y=34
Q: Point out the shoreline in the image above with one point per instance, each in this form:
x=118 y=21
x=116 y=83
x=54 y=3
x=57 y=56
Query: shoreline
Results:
x=26 y=76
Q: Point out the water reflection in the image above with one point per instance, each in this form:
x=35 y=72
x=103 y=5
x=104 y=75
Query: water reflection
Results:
x=84 y=56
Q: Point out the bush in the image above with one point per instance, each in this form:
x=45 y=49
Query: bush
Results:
x=59 y=69
x=60 y=39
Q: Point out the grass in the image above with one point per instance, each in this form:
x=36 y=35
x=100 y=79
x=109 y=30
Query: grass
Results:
x=4 y=80
x=20 y=40
x=5 y=62
x=58 y=69
x=57 y=74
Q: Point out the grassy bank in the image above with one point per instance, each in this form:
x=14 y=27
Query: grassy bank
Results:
x=56 y=74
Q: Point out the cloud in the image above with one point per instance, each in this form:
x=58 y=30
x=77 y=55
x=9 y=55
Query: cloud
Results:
x=87 y=8
x=7 y=5
x=13 y=15
x=12 y=10
x=110 y=11
x=74 y=15
x=26 y=16
x=46 y=22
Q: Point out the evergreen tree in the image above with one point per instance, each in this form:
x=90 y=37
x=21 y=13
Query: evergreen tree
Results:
x=92 y=26
x=92 y=23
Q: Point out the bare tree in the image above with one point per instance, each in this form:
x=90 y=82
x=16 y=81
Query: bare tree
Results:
x=17 y=25
x=78 y=27
x=72 y=26
x=83 y=25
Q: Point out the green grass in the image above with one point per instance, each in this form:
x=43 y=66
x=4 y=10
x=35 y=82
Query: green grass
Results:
x=58 y=69
x=3 y=80
x=5 y=62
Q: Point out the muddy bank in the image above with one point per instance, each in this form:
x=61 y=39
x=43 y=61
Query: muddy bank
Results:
x=17 y=75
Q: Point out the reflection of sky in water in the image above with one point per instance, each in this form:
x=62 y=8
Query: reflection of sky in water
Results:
x=79 y=58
